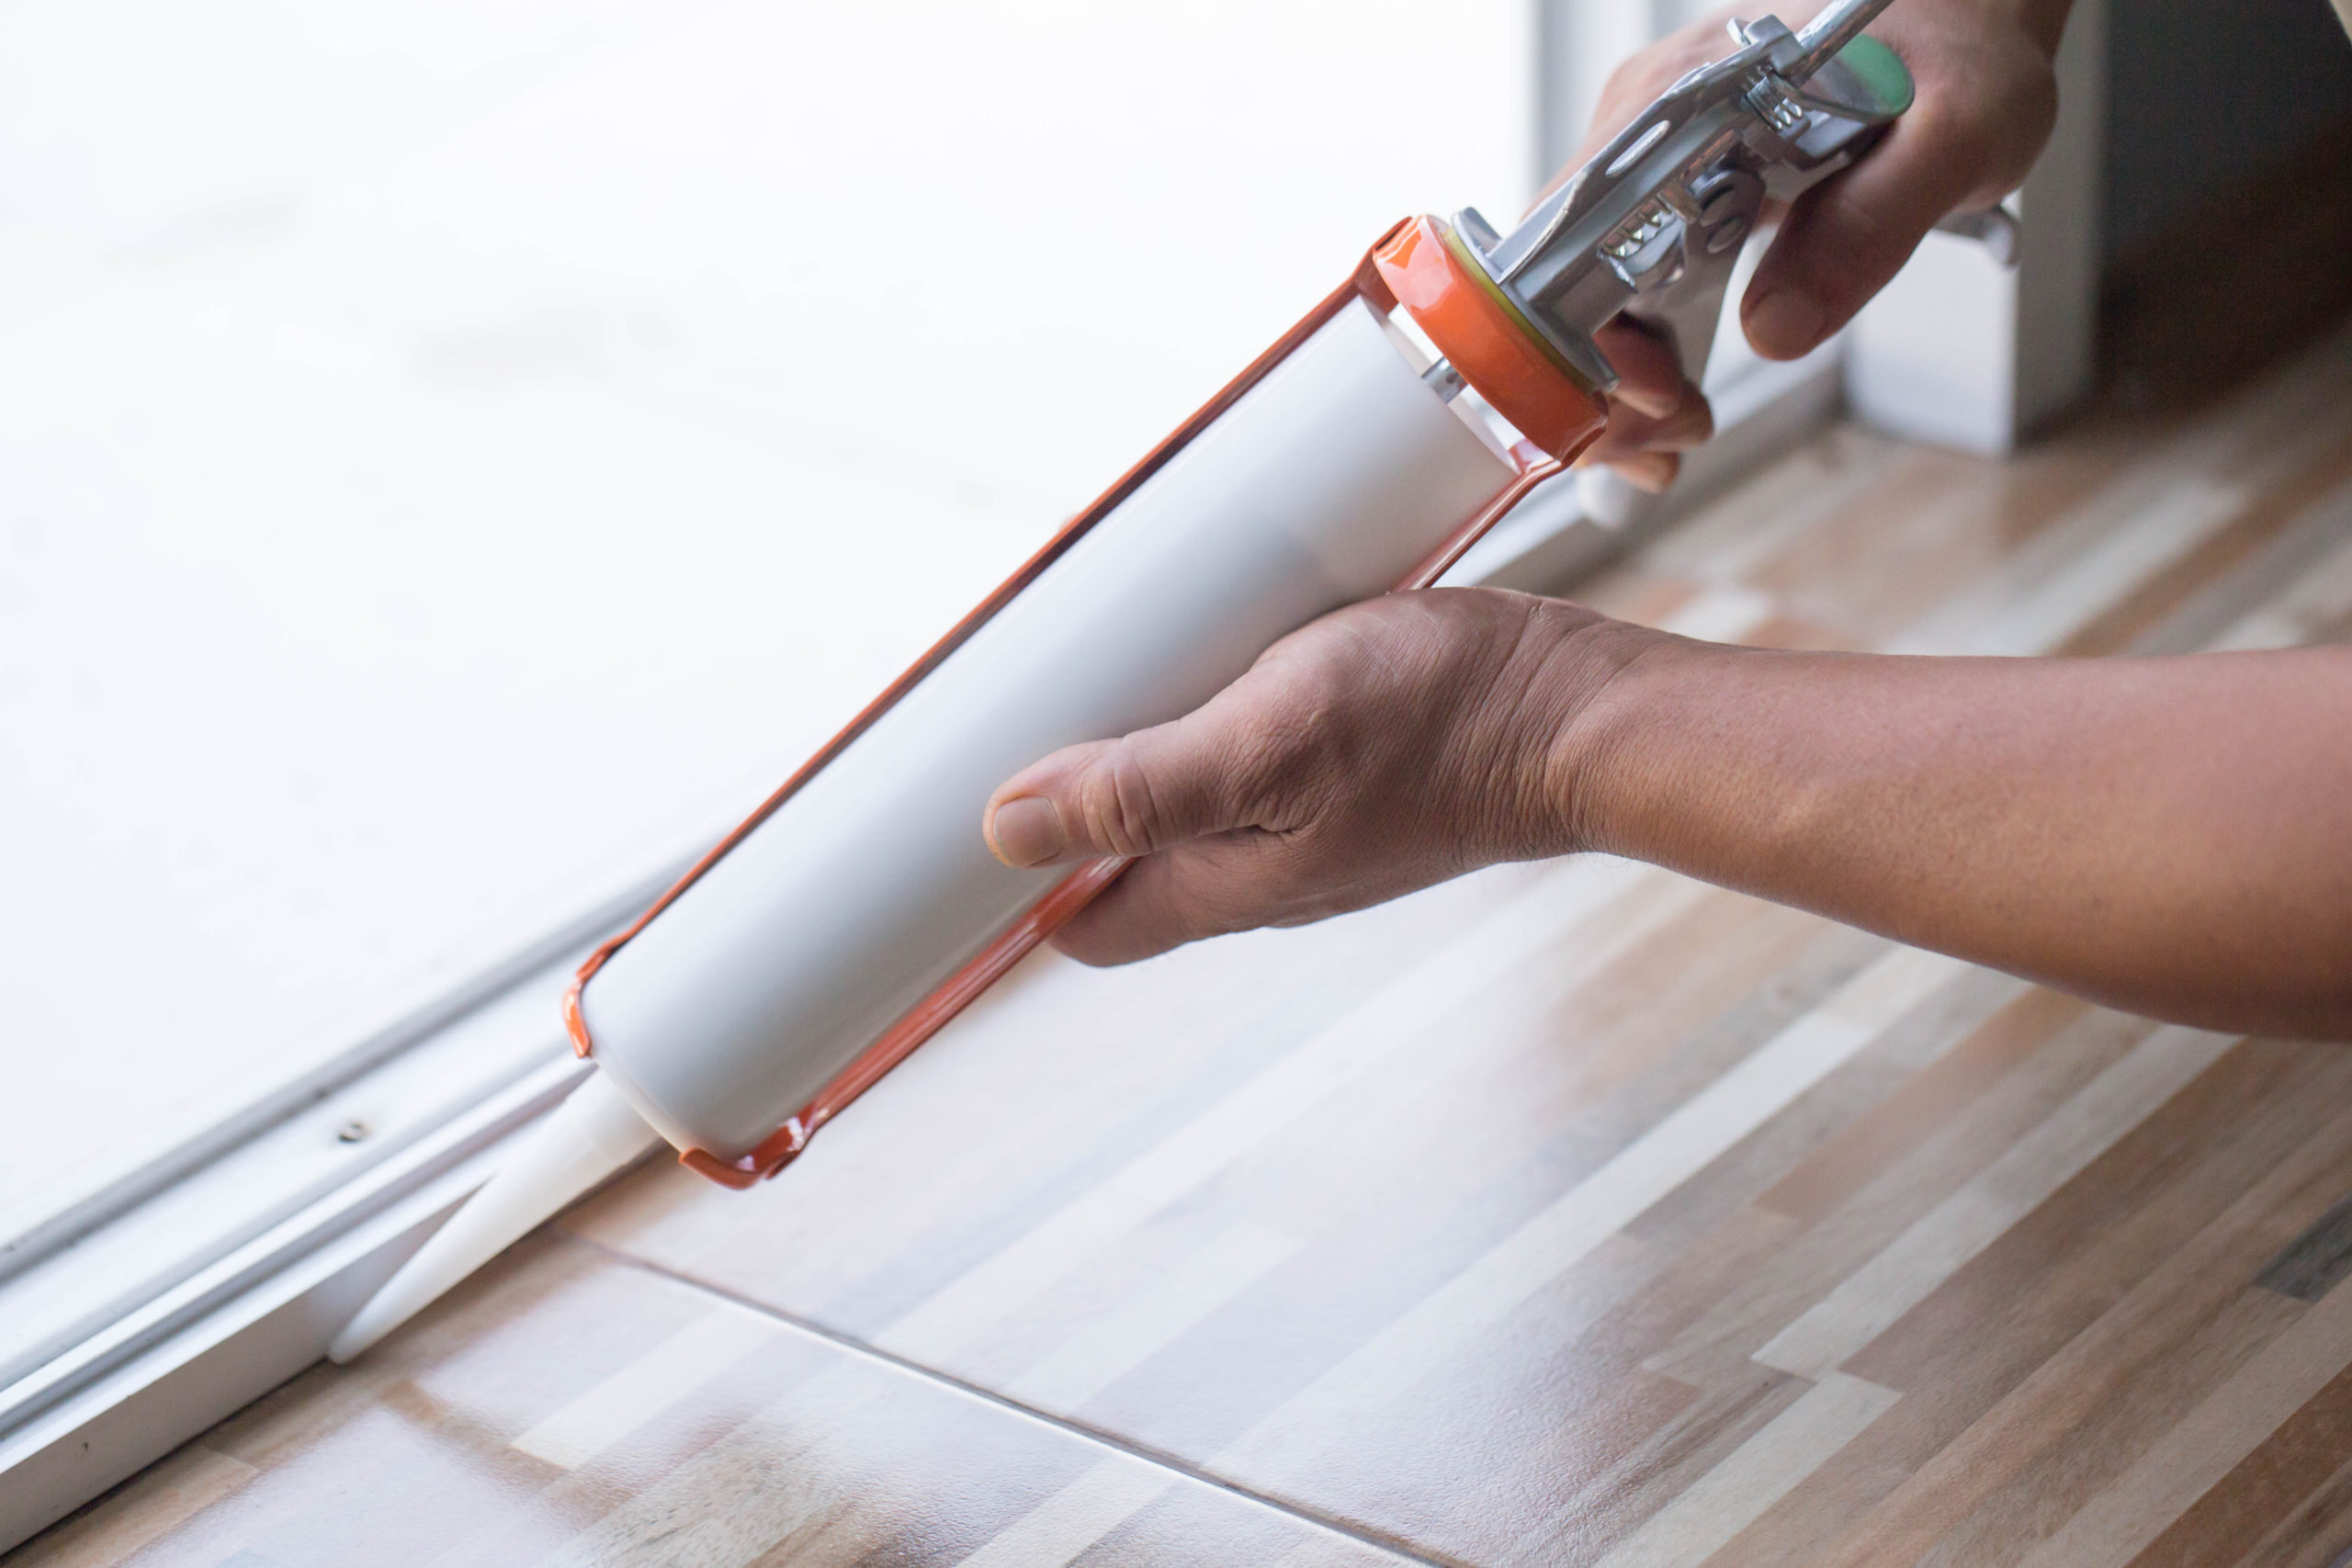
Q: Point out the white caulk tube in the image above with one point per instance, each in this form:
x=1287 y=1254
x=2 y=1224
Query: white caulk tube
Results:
x=1324 y=485
x=732 y=1017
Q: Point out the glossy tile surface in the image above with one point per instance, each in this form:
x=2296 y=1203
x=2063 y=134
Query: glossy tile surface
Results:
x=575 y=1409
x=1569 y=1214
x=1584 y=1214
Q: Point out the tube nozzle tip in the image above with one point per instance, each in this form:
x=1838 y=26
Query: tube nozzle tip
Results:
x=592 y=1135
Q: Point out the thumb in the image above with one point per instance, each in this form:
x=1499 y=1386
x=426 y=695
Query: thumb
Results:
x=1125 y=797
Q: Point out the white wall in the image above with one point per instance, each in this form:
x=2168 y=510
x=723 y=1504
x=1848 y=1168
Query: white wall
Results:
x=1963 y=351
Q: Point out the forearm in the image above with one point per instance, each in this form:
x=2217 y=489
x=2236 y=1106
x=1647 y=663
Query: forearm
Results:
x=2172 y=836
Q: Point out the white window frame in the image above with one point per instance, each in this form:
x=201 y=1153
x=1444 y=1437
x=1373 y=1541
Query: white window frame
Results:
x=164 y=1292
x=1960 y=351
x=162 y=1295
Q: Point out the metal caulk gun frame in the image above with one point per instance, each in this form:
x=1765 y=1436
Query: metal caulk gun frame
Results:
x=1651 y=227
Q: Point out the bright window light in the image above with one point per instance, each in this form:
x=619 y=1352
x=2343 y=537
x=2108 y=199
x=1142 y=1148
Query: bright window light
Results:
x=455 y=458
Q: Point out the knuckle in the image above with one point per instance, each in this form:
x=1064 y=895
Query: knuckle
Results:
x=1951 y=122
x=1988 y=139
x=1118 y=804
x=1281 y=765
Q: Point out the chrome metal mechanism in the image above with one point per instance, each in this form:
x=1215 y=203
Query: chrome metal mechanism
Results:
x=1993 y=229
x=1651 y=227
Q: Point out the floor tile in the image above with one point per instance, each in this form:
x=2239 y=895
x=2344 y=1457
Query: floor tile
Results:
x=568 y=1408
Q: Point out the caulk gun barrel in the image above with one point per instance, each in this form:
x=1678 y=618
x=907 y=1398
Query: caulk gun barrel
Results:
x=1832 y=31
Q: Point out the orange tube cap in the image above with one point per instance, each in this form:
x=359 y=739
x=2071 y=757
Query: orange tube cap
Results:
x=1484 y=337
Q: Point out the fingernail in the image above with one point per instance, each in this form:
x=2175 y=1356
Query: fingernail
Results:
x=1642 y=400
x=1649 y=472
x=1785 y=323
x=1027 y=830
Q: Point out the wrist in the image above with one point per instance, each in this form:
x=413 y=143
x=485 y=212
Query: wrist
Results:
x=1582 y=721
x=1625 y=750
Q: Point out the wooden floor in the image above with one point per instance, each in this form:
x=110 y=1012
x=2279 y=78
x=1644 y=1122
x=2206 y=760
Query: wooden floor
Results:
x=1571 y=1213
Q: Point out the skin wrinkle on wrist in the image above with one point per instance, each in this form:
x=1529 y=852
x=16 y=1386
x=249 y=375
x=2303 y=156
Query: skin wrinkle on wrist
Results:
x=1578 y=755
x=1502 y=790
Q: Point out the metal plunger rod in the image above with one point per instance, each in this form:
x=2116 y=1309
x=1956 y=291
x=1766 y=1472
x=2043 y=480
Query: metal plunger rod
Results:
x=1832 y=31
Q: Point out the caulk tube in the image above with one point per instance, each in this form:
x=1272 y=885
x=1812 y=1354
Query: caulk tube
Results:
x=1324 y=484
x=845 y=910
x=860 y=907
x=726 y=1015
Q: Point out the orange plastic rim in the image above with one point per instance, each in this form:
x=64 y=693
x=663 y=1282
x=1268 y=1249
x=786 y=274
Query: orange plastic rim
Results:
x=1499 y=356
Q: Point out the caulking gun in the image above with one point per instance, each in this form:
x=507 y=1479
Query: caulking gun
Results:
x=859 y=908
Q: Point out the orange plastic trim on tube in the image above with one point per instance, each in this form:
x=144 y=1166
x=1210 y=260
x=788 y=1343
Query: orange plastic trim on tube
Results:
x=1074 y=892
x=1481 y=334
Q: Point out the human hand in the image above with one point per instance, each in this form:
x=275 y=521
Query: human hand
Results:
x=1388 y=746
x=1655 y=415
x=1986 y=99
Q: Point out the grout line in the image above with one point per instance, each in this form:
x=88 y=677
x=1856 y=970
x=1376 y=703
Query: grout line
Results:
x=1157 y=1458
